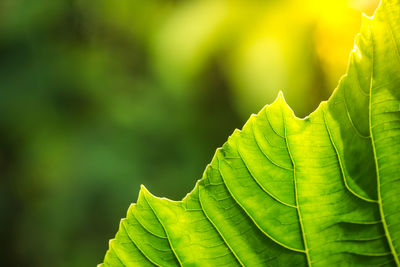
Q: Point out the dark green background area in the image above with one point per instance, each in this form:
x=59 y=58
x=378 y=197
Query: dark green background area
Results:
x=83 y=123
x=86 y=117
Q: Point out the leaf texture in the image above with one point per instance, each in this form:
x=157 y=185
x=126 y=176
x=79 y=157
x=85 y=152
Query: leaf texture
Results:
x=284 y=191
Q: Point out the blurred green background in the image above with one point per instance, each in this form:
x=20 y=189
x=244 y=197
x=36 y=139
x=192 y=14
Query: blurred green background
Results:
x=98 y=97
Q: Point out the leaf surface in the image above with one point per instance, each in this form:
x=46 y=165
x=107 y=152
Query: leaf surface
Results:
x=284 y=191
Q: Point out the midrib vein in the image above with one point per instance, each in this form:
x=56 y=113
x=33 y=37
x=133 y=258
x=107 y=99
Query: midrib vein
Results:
x=166 y=233
x=218 y=231
x=296 y=195
x=378 y=182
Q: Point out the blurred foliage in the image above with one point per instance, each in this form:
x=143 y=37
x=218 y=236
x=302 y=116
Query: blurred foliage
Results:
x=97 y=98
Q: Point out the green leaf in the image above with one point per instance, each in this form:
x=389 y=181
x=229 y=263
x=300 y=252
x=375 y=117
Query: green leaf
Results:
x=284 y=191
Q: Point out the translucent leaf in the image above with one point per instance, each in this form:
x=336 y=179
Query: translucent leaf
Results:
x=284 y=191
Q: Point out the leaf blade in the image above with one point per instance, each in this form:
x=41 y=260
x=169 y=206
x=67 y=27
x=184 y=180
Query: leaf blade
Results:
x=287 y=191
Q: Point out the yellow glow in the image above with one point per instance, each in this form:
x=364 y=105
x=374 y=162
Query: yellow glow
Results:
x=262 y=47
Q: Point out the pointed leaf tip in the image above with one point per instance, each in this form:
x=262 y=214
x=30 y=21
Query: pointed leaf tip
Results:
x=280 y=96
x=280 y=99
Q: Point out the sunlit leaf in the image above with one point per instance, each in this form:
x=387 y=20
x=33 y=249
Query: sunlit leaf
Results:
x=285 y=191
